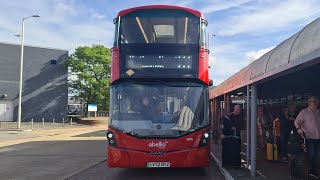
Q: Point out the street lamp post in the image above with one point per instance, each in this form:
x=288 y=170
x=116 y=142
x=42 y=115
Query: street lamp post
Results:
x=21 y=70
x=18 y=37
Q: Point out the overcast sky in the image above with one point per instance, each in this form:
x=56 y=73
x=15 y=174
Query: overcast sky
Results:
x=244 y=29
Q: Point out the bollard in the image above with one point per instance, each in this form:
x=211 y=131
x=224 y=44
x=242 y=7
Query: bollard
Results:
x=71 y=122
x=53 y=122
x=42 y=122
x=32 y=124
x=62 y=122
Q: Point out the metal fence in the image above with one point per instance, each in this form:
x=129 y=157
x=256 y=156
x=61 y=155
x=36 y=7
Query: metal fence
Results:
x=98 y=114
x=41 y=124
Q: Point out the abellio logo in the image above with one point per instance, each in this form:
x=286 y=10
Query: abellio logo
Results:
x=159 y=144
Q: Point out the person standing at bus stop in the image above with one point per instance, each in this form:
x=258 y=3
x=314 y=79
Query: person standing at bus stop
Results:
x=308 y=122
x=232 y=123
x=286 y=126
x=235 y=118
x=263 y=121
x=231 y=141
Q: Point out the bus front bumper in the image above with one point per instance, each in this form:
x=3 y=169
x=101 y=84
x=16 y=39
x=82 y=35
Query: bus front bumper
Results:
x=123 y=158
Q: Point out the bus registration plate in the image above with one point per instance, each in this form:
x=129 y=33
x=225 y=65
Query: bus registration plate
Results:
x=158 y=164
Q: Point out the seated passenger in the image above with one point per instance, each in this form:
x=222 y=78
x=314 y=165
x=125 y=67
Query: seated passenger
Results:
x=185 y=117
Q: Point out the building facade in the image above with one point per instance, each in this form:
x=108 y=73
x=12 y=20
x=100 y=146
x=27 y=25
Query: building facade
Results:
x=45 y=83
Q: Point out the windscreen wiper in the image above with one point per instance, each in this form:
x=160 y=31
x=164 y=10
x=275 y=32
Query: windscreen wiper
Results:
x=131 y=133
x=135 y=134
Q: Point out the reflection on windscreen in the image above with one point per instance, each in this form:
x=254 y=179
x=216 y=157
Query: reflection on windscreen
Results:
x=158 y=110
x=159 y=26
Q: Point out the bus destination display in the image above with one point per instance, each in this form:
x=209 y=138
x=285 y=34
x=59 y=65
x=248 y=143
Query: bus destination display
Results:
x=159 y=61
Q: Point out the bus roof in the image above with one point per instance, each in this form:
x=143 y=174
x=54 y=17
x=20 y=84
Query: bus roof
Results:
x=192 y=11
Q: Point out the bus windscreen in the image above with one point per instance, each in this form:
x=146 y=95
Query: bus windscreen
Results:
x=158 y=110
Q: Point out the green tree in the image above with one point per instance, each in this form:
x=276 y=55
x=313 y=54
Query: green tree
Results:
x=90 y=67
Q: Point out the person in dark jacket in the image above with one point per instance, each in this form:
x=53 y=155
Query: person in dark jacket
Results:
x=231 y=143
x=232 y=122
x=147 y=109
x=286 y=126
x=235 y=118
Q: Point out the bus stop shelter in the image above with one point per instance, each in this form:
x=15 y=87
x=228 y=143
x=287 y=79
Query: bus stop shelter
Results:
x=290 y=71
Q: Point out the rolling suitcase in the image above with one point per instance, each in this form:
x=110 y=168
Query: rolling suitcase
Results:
x=299 y=164
x=294 y=143
x=231 y=148
x=272 y=150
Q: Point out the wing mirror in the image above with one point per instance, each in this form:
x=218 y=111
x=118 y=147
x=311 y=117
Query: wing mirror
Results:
x=210 y=82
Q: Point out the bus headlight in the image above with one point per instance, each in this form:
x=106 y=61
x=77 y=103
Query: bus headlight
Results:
x=110 y=135
x=206 y=135
x=111 y=139
x=205 y=139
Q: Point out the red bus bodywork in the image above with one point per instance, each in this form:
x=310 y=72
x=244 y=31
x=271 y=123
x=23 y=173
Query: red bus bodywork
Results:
x=184 y=151
x=135 y=153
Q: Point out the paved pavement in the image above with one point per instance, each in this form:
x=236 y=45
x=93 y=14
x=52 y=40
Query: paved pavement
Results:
x=265 y=169
x=13 y=134
x=76 y=153
x=52 y=155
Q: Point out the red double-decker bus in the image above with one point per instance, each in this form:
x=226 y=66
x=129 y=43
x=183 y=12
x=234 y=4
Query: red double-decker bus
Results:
x=159 y=102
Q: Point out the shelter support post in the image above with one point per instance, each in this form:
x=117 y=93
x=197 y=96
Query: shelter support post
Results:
x=220 y=112
x=227 y=104
x=217 y=116
x=216 y=108
x=253 y=118
x=211 y=109
x=248 y=126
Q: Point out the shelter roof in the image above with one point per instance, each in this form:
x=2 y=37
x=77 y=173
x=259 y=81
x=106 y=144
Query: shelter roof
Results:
x=301 y=48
